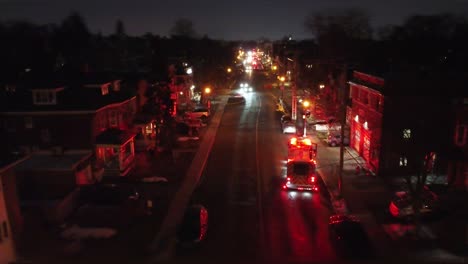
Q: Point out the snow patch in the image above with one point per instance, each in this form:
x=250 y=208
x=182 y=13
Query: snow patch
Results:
x=75 y=232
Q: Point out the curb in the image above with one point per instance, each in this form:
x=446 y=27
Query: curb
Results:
x=182 y=196
x=338 y=203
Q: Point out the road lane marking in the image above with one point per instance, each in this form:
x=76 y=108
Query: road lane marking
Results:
x=259 y=182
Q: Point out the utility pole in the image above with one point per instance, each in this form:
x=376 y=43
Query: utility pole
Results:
x=343 y=124
x=294 y=87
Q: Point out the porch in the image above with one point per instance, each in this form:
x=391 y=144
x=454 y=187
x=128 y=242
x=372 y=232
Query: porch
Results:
x=115 y=152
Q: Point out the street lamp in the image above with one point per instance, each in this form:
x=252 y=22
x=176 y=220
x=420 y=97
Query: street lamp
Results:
x=282 y=79
x=207 y=90
x=306 y=103
x=274 y=67
x=229 y=70
x=189 y=71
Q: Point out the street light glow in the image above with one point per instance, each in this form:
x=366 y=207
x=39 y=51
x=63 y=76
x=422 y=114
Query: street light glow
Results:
x=189 y=71
x=282 y=78
x=322 y=86
x=207 y=90
x=306 y=103
x=229 y=70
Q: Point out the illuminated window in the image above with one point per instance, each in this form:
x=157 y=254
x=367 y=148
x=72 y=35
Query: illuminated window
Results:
x=406 y=133
x=28 y=122
x=149 y=129
x=403 y=161
x=105 y=89
x=44 y=97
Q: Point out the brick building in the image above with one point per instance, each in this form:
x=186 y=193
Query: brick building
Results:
x=398 y=119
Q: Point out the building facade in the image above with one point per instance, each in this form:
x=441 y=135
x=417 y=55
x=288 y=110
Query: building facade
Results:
x=395 y=122
x=364 y=117
x=71 y=118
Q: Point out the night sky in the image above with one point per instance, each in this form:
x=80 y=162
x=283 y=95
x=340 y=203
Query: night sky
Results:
x=241 y=19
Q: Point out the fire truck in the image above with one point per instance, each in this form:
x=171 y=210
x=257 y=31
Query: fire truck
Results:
x=301 y=165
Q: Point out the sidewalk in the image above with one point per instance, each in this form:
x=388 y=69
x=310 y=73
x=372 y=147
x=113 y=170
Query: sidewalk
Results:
x=360 y=192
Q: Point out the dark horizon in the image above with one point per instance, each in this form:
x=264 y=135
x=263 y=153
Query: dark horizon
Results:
x=237 y=21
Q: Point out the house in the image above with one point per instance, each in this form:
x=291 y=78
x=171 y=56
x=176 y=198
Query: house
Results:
x=11 y=220
x=56 y=117
x=397 y=119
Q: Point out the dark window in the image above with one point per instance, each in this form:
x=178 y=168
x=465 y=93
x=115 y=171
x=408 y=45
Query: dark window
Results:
x=45 y=135
x=301 y=168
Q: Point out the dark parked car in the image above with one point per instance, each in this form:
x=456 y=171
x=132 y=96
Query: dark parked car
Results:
x=348 y=237
x=401 y=204
x=107 y=205
x=334 y=139
x=288 y=127
x=108 y=194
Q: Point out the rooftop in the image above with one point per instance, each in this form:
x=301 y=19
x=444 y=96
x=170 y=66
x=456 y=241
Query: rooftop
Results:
x=69 y=99
x=49 y=162
x=114 y=136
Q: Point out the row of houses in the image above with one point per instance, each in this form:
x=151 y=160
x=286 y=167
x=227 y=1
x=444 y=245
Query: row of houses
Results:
x=396 y=119
x=59 y=135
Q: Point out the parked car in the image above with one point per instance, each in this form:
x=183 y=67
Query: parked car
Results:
x=288 y=127
x=401 y=204
x=108 y=194
x=202 y=113
x=334 y=139
x=348 y=237
x=194 y=226
x=106 y=205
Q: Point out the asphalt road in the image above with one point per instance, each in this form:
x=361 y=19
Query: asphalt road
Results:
x=251 y=218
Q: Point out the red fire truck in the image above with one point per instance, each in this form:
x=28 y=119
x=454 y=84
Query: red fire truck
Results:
x=301 y=165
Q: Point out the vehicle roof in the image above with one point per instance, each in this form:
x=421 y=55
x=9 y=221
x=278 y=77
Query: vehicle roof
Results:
x=342 y=218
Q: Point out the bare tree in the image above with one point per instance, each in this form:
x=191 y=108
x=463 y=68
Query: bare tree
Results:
x=120 y=29
x=183 y=28
x=352 y=22
x=418 y=163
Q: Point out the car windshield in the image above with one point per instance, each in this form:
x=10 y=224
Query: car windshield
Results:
x=301 y=168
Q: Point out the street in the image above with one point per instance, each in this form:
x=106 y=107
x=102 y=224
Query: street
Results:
x=251 y=218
